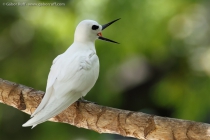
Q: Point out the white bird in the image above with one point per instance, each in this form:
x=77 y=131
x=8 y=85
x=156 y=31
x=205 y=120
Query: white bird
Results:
x=72 y=73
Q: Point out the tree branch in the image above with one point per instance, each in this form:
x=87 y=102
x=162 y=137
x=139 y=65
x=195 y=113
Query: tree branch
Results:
x=105 y=119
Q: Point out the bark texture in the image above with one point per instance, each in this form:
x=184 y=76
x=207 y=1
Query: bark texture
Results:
x=106 y=119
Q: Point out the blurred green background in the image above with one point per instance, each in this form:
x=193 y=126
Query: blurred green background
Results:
x=162 y=65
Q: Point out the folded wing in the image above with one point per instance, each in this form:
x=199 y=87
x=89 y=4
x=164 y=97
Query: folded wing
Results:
x=68 y=80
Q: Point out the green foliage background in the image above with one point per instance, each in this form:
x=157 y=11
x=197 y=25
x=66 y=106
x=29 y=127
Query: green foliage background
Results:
x=160 y=67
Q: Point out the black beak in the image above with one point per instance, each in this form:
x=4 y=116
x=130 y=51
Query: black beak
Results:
x=104 y=27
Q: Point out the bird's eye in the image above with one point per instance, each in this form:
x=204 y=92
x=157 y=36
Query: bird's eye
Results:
x=95 y=27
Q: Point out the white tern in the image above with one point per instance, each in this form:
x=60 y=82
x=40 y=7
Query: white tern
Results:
x=72 y=73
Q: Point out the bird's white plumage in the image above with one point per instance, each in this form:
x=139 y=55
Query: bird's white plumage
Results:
x=71 y=76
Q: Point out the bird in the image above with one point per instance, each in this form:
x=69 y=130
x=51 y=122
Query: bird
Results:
x=72 y=74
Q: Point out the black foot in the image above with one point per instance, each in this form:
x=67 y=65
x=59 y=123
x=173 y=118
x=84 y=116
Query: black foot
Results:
x=85 y=101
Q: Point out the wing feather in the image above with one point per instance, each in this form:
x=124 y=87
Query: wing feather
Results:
x=54 y=72
x=53 y=108
x=68 y=80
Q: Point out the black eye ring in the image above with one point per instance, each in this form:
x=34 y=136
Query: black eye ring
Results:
x=95 y=27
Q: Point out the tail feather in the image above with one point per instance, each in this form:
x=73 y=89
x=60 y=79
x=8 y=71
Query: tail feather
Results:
x=52 y=109
x=44 y=101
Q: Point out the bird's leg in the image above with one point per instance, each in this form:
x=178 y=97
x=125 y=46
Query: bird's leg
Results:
x=84 y=101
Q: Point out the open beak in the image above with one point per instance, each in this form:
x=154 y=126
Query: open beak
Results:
x=103 y=27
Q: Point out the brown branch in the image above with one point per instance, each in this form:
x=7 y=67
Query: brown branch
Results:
x=105 y=119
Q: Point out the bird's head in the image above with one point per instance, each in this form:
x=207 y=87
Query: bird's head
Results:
x=90 y=30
